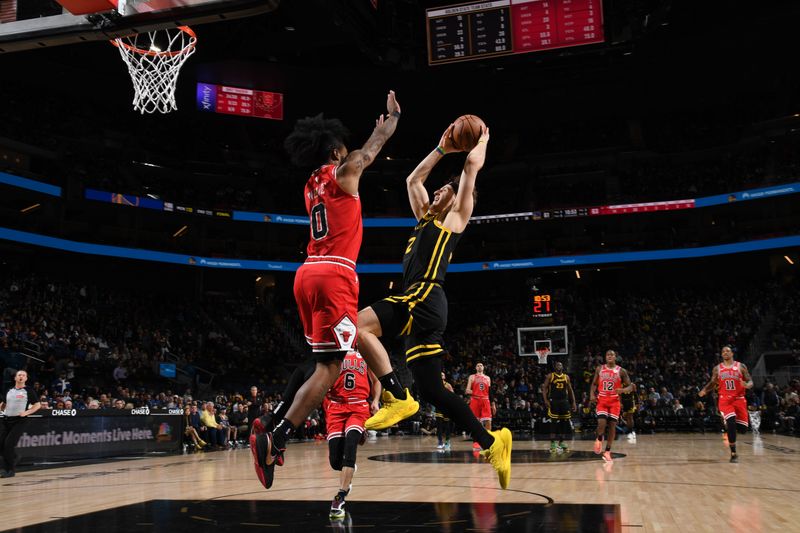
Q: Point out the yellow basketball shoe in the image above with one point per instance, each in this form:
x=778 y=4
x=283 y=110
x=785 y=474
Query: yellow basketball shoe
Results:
x=393 y=411
x=499 y=454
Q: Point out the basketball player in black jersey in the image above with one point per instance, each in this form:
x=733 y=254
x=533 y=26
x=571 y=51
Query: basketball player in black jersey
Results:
x=628 y=401
x=558 y=398
x=419 y=315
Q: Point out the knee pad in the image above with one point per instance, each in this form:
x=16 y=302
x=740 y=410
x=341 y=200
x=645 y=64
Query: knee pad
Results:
x=335 y=446
x=351 y=441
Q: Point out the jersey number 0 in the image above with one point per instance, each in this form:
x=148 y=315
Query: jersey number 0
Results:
x=319 y=222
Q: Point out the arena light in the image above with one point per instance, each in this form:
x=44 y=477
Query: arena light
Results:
x=30 y=208
x=181 y=231
x=258 y=279
x=391 y=285
x=788 y=259
x=578 y=274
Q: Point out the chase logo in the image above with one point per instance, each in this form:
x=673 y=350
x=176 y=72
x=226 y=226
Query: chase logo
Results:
x=140 y=411
x=63 y=412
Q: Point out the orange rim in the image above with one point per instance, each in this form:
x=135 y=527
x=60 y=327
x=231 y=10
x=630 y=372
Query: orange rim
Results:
x=185 y=29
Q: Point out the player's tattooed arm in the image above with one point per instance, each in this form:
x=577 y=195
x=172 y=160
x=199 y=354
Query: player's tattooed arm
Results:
x=627 y=386
x=349 y=173
x=748 y=379
x=710 y=383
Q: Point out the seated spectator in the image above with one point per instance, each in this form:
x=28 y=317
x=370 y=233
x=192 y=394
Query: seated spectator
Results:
x=191 y=430
x=216 y=436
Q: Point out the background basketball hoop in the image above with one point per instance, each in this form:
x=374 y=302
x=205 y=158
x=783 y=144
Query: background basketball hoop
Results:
x=154 y=60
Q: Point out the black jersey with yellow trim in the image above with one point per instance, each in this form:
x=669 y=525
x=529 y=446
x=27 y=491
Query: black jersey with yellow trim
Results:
x=558 y=387
x=428 y=252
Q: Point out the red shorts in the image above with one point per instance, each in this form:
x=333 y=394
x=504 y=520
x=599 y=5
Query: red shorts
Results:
x=327 y=298
x=342 y=417
x=608 y=406
x=732 y=406
x=481 y=408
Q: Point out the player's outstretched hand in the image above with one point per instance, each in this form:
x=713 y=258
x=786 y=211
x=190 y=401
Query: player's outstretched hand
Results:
x=391 y=103
x=446 y=142
x=701 y=393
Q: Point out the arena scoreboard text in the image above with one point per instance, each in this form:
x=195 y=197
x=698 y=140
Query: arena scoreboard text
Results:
x=543 y=306
x=506 y=27
x=226 y=100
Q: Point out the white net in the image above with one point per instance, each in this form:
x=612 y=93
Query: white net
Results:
x=154 y=60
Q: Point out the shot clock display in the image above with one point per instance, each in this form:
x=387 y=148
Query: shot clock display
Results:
x=543 y=306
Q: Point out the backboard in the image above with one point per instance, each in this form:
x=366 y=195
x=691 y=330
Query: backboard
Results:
x=554 y=338
x=29 y=24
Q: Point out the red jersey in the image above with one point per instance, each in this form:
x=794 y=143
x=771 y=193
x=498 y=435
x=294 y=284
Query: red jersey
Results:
x=335 y=217
x=730 y=380
x=353 y=385
x=609 y=381
x=480 y=386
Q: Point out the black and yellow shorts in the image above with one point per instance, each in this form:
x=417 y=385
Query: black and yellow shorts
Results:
x=419 y=316
x=559 y=410
x=628 y=403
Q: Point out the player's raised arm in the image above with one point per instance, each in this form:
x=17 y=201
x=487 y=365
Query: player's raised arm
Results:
x=349 y=173
x=415 y=182
x=458 y=217
x=710 y=383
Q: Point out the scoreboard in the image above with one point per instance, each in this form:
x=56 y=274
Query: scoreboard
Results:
x=239 y=101
x=543 y=306
x=507 y=27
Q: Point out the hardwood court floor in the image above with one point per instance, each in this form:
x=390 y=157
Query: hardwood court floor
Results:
x=675 y=482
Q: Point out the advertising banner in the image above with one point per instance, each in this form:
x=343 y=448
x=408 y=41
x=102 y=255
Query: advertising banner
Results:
x=68 y=434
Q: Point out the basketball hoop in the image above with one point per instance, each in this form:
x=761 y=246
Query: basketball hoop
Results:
x=541 y=354
x=154 y=60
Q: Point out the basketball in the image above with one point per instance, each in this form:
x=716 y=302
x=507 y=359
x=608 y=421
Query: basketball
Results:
x=467 y=131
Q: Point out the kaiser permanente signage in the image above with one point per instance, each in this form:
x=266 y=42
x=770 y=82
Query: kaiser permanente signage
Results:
x=62 y=435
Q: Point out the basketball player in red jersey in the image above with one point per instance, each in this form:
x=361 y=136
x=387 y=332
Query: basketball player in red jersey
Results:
x=351 y=400
x=731 y=378
x=326 y=285
x=478 y=385
x=610 y=380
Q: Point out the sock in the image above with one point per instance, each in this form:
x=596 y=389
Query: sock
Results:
x=281 y=434
x=733 y=448
x=392 y=384
x=427 y=374
x=342 y=494
x=600 y=438
x=608 y=448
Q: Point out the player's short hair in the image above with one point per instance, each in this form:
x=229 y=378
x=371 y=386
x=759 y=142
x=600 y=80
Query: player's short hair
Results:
x=313 y=138
x=455 y=181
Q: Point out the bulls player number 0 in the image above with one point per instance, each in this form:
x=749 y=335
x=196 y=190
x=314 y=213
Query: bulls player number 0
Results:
x=319 y=222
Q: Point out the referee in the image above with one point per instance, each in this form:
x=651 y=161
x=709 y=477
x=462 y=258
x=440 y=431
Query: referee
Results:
x=19 y=402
